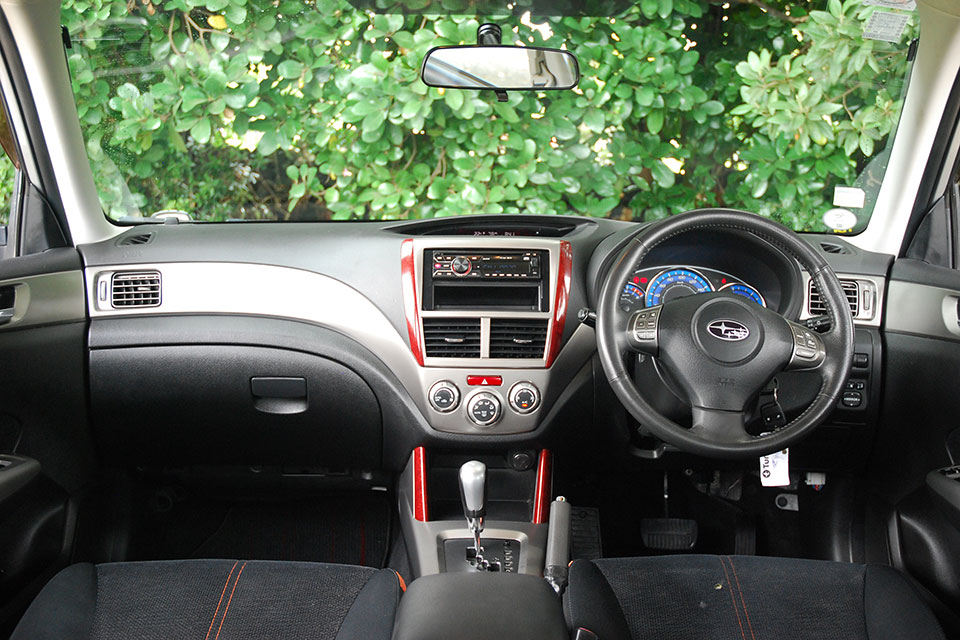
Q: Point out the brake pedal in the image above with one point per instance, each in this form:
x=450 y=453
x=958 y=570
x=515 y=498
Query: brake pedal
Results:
x=668 y=534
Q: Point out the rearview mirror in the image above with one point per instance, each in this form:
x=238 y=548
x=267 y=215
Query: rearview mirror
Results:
x=501 y=68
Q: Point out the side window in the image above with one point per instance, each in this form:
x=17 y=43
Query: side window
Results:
x=9 y=165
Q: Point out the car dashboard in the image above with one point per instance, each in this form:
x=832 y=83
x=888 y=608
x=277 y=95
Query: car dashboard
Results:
x=363 y=340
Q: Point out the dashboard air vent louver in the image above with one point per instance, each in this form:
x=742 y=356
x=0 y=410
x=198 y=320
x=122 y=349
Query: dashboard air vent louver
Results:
x=511 y=338
x=452 y=337
x=816 y=306
x=832 y=247
x=135 y=289
x=139 y=238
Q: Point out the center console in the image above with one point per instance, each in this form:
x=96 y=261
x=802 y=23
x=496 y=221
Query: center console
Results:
x=498 y=570
x=441 y=538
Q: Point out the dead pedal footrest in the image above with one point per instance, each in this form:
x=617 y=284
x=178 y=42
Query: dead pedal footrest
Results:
x=668 y=534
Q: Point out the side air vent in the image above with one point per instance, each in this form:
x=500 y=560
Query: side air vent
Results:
x=851 y=288
x=135 y=289
x=452 y=337
x=140 y=238
x=511 y=338
x=832 y=247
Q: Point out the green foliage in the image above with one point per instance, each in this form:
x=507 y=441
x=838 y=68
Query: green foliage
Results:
x=313 y=110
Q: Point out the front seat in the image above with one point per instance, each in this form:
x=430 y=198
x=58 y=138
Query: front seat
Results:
x=214 y=600
x=745 y=597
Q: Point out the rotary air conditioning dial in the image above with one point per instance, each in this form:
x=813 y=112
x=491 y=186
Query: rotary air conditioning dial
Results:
x=524 y=397
x=444 y=396
x=484 y=409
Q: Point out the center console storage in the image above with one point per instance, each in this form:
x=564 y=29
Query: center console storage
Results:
x=480 y=606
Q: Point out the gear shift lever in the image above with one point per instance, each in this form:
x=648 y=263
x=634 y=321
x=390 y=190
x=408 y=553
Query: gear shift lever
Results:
x=473 y=489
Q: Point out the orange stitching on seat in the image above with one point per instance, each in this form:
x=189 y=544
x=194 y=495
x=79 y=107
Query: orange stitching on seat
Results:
x=733 y=599
x=742 y=601
x=229 y=600
x=219 y=602
x=403 y=585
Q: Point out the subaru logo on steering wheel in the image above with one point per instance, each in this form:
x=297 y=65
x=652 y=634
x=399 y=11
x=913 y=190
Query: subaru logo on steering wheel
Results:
x=729 y=330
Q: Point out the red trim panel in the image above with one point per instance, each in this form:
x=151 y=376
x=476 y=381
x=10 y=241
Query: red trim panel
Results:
x=543 y=493
x=408 y=283
x=560 y=307
x=420 y=485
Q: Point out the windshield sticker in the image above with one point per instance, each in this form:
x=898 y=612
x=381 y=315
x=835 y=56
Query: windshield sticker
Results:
x=849 y=197
x=905 y=5
x=840 y=220
x=886 y=26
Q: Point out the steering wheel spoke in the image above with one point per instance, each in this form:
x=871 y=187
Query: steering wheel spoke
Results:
x=720 y=426
x=808 y=352
x=643 y=331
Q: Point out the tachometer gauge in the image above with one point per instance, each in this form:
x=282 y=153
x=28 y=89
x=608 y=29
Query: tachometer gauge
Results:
x=746 y=291
x=631 y=297
x=675 y=283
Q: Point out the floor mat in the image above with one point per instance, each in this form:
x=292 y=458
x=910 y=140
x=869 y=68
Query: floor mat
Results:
x=351 y=528
x=343 y=530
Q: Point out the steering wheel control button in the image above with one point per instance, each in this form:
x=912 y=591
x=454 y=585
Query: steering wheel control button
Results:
x=444 y=396
x=484 y=381
x=484 y=409
x=808 y=351
x=524 y=397
x=644 y=325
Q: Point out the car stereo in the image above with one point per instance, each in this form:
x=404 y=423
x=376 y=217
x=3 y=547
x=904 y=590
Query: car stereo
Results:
x=483 y=265
x=493 y=279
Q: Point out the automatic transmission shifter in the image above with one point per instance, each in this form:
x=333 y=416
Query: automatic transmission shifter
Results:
x=473 y=489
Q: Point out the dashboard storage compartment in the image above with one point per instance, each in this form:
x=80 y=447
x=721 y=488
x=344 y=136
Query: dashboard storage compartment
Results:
x=480 y=606
x=231 y=405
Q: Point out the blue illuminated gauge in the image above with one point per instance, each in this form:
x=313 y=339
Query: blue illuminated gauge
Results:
x=631 y=297
x=675 y=283
x=746 y=291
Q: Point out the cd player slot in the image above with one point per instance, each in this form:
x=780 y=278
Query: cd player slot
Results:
x=506 y=296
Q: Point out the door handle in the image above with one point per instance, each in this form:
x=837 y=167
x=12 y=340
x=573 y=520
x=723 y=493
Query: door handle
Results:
x=8 y=304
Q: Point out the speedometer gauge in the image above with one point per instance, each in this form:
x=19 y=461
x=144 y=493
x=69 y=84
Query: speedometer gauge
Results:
x=746 y=291
x=675 y=283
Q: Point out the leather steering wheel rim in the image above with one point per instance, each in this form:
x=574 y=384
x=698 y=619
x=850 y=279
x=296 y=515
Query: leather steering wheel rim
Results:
x=837 y=342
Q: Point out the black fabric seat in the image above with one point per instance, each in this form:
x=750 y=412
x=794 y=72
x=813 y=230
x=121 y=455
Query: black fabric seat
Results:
x=214 y=600
x=745 y=598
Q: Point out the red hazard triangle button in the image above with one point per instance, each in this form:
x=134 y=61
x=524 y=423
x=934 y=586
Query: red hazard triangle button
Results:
x=484 y=381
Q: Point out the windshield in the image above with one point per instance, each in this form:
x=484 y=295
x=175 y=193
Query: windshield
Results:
x=298 y=111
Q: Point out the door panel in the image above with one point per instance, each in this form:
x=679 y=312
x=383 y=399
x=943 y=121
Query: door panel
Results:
x=43 y=420
x=919 y=424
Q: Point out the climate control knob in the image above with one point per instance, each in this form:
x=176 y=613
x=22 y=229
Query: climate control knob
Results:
x=461 y=266
x=444 y=396
x=524 y=397
x=484 y=409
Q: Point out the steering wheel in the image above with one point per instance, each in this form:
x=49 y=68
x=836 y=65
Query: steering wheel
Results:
x=722 y=349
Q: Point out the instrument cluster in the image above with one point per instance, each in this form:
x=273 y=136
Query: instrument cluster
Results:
x=650 y=286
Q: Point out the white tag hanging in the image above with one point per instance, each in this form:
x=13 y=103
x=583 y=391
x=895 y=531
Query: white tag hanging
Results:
x=775 y=469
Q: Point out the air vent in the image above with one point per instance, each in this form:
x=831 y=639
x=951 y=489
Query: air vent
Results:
x=139 y=238
x=452 y=337
x=851 y=288
x=511 y=338
x=830 y=247
x=135 y=289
